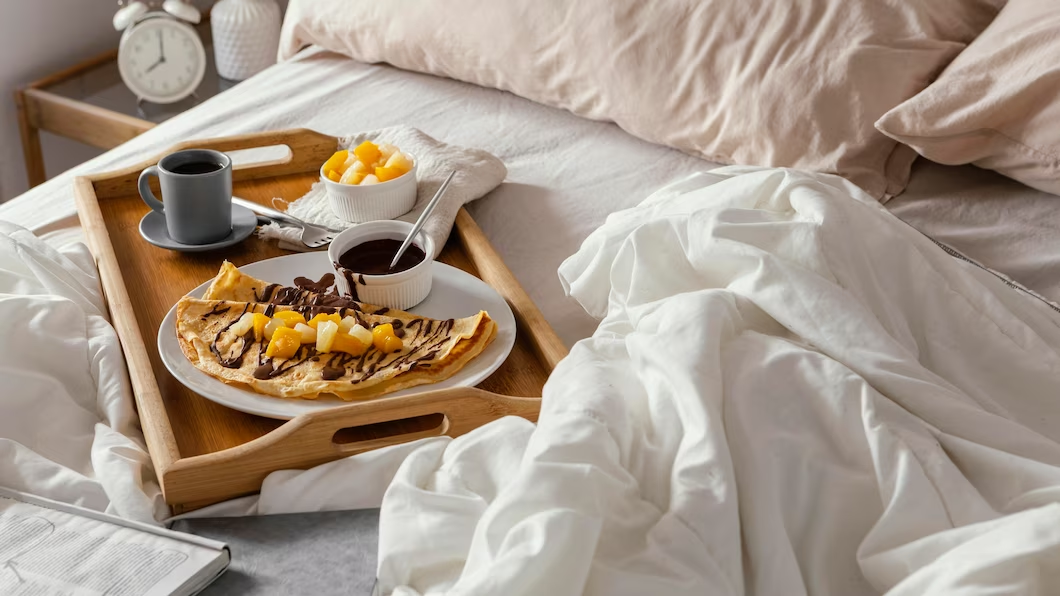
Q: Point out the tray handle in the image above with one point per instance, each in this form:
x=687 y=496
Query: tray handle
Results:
x=310 y=439
x=308 y=151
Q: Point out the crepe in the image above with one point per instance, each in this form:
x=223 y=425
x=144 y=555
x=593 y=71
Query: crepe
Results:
x=433 y=349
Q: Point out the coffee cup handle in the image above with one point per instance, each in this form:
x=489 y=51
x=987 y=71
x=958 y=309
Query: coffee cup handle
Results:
x=144 y=183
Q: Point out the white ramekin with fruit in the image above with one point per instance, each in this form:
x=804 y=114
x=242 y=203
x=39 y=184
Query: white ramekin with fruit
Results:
x=370 y=182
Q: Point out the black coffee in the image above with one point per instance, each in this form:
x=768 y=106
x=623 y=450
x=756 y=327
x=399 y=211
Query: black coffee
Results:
x=197 y=167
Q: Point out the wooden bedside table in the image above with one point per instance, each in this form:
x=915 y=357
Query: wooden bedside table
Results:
x=88 y=102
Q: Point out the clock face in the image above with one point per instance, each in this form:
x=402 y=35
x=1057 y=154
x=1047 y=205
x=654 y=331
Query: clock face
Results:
x=161 y=60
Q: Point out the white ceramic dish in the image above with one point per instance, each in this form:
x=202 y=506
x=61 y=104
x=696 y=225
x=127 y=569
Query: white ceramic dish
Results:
x=386 y=200
x=455 y=294
x=402 y=290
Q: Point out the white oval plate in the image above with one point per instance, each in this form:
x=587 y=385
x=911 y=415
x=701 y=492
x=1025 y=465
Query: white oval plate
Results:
x=454 y=294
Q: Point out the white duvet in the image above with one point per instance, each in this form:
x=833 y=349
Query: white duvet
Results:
x=791 y=392
x=67 y=427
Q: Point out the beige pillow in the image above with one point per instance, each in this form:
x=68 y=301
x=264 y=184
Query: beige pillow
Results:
x=797 y=83
x=997 y=105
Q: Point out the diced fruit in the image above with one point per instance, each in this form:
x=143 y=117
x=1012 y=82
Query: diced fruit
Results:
x=290 y=317
x=384 y=174
x=351 y=177
x=320 y=318
x=326 y=332
x=334 y=176
x=384 y=339
x=369 y=179
x=399 y=160
x=348 y=323
x=309 y=335
x=284 y=344
x=260 y=321
x=335 y=162
x=348 y=344
x=244 y=325
x=272 y=326
x=364 y=335
x=367 y=152
x=385 y=151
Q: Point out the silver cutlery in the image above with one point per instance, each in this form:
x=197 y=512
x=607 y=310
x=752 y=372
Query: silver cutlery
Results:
x=313 y=235
x=423 y=218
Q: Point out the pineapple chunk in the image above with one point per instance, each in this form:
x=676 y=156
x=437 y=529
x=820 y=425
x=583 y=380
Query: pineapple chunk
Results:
x=369 y=179
x=364 y=335
x=367 y=152
x=260 y=321
x=244 y=325
x=385 y=151
x=352 y=177
x=284 y=344
x=309 y=334
x=290 y=317
x=384 y=174
x=384 y=339
x=272 y=326
x=326 y=332
x=335 y=162
x=349 y=323
x=400 y=161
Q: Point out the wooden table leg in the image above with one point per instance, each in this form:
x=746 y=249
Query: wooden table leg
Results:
x=31 y=149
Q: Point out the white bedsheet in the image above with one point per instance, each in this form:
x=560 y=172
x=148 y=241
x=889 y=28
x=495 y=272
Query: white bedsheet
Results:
x=791 y=392
x=67 y=427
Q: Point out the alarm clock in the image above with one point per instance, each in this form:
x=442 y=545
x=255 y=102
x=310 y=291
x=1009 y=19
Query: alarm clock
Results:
x=161 y=58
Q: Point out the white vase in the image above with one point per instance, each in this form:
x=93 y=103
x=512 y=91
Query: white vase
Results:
x=246 y=36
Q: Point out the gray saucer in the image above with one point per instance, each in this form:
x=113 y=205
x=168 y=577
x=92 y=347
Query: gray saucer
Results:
x=153 y=229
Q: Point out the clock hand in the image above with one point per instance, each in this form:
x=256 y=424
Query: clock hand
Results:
x=161 y=48
x=154 y=66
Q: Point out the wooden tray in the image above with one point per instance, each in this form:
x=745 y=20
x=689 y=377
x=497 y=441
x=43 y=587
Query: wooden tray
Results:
x=204 y=452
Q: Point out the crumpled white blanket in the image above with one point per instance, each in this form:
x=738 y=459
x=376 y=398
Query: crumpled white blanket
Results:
x=67 y=427
x=791 y=392
x=477 y=173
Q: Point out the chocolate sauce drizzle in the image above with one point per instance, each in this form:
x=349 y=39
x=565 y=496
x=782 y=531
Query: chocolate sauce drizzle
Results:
x=247 y=338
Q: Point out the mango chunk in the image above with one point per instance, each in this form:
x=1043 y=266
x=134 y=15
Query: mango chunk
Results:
x=334 y=176
x=290 y=317
x=284 y=344
x=384 y=339
x=260 y=321
x=367 y=152
x=336 y=161
x=320 y=318
x=344 y=342
x=384 y=174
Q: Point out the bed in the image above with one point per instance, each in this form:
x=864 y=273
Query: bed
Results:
x=633 y=490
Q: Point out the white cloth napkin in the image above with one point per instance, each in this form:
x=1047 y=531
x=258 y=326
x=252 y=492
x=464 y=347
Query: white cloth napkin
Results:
x=477 y=173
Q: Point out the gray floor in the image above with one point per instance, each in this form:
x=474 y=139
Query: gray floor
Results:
x=326 y=553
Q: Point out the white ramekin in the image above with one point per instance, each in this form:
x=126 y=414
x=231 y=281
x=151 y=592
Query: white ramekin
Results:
x=386 y=200
x=401 y=290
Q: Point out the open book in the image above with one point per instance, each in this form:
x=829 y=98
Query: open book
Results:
x=51 y=549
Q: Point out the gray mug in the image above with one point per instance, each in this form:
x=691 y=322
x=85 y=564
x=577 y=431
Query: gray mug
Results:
x=196 y=195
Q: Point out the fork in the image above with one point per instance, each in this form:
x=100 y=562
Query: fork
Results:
x=313 y=236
